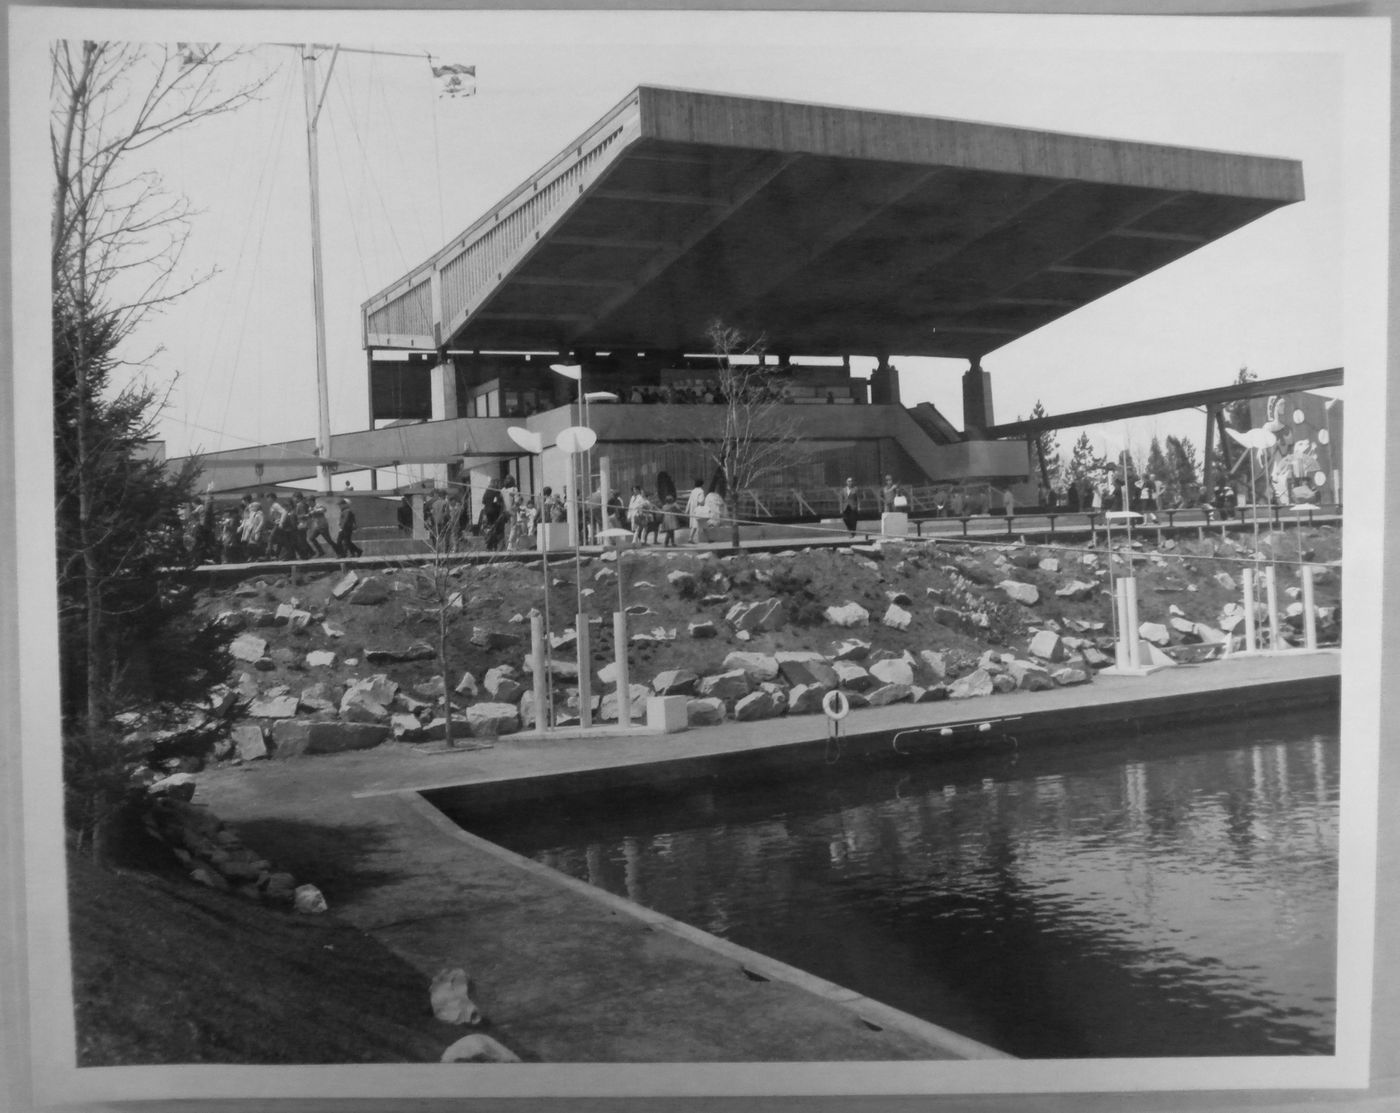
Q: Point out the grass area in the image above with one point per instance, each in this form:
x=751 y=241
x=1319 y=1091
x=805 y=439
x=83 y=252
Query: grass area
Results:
x=165 y=971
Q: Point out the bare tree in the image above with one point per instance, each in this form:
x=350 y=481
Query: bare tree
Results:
x=759 y=437
x=117 y=237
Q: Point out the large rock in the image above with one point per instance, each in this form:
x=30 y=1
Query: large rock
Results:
x=492 y=719
x=756 y=705
x=676 y=682
x=637 y=710
x=1047 y=646
x=897 y=617
x=1049 y=564
x=730 y=685
x=705 y=712
x=484 y=637
x=1028 y=594
x=850 y=650
x=976 y=683
x=419 y=651
x=1029 y=676
x=806 y=699
x=479 y=1048
x=378 y=688
x=890 y=693
x=320 y=659
x=292 y=738
x=935 y=663
x=703 y=628
x=805 y=667
x=1076 y=590
x=893 y=671
x=345 y=584
x=274 y=707
x=682 y=581
x=501 y=685
x=368 y=593
x=1225 y=580
x=249 y=742
x=853 y=677
x=1070 y=675
x=248 y=647
x=847 y=614
x=319 y=697
x=1154 y=633
x=759 y=666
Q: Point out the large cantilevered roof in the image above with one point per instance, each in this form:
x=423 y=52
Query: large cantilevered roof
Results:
x=830 y=230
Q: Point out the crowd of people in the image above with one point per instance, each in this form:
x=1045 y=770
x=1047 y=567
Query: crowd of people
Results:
x=266 y=527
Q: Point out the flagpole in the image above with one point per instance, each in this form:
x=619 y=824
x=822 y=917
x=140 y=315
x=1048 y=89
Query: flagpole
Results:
x=318 y=291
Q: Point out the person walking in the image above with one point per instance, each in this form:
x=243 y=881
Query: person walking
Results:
x=670 y=520
x=345 y=536
x=694 y=508
x=638 y=515
x=318 y=528
x=850 y=505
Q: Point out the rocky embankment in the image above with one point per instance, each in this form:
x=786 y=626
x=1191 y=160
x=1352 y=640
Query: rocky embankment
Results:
x=353 y=659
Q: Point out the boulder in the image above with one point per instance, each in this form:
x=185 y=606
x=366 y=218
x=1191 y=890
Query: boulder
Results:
x=1070 y=675
x=703 y=628
x=467 y=686
x=1029 y=676
x=450 y=998
x=704 y=712
x=681 y=580
x=368 y=593
x=853 y=677
x=1049 y=564
x=899 y=598
x=493 y=719
x=1225 y=580
x=178 y=786
x=758 y=666
x=1048 y=646
x=434 y=688
x=292 y=738
x=1157 y=658
x=676 y=682
x=805 y=699
x=492 y=640
x=248 y=741
x=847 y=614
x=308 y=900
x=935 y=663
x=501 y=685
x=897 y=617
x=1154 y=633
x=319 y=697
x=1076 y=590
x=850 y=650
x=609 y=674
x=1003 y=682
x=248 y=647
x=975 y=683
x=320 y=659
x=378 y=688
x=730 y=685
x=805 y=667
x=637 y=710
x=896 y=671
x=419 y=651
x=406 y=727
x=274 y=707
x=755 y=705
x=931 y=694
x=887 y=694
x=345 y=584
x=478 y=1048
x=1027 y=594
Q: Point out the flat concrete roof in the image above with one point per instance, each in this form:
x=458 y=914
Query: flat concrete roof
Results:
x=831 y=230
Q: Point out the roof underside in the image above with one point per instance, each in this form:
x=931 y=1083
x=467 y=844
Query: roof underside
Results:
x=829 y=230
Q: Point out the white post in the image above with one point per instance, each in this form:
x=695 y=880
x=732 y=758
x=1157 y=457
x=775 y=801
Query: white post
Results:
x=1120 y=611
x=571 y=480
x=1309 y=610
x=537 y=657
x=585 y=672
x=624 y=681
x=1249 y=643
x=1134 y=639
x=604 y=490
x=1271 y=598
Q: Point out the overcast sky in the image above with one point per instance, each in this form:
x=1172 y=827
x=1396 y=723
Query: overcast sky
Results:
x=403 y=169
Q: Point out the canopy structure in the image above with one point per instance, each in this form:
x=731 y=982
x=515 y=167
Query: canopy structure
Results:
x=829 y=230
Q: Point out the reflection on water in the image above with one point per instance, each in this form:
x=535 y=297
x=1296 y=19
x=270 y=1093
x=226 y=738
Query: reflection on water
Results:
x=1161 y=896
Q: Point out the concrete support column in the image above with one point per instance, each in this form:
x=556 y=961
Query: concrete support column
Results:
x=977 y=402
x=884 y=383
x=444 y=388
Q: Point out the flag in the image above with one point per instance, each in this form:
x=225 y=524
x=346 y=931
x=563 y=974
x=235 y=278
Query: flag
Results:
x=455 y=80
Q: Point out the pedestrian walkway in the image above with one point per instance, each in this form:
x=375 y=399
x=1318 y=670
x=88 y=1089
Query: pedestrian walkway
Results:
x=570 y=974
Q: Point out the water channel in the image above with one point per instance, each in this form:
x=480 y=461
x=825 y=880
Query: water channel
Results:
x=1155 y=895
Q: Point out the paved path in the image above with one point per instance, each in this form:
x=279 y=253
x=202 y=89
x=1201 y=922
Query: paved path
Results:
x=570 y=974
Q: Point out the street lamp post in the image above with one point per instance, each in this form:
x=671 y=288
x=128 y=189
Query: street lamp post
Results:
x=575 y=440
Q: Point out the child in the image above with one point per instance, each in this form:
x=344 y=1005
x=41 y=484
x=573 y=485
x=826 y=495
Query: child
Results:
x=670 y=520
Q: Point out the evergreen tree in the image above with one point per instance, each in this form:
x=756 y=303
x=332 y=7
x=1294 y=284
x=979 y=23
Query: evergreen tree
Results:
x=1183 y=473
x=1084 y=462
x=1047 y=451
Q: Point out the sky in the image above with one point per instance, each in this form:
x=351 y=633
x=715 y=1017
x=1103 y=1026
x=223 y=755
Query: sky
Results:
x=402 y=170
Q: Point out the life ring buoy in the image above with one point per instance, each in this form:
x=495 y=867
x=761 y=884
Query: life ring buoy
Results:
x=836 y=705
